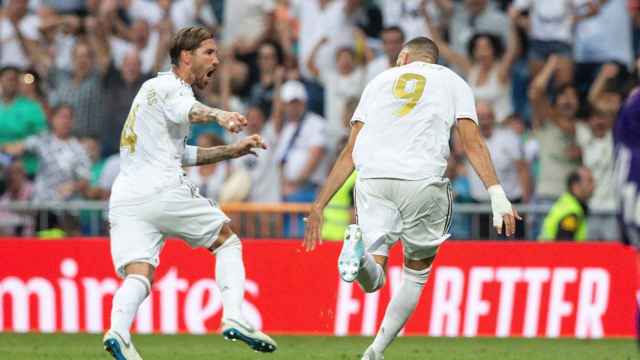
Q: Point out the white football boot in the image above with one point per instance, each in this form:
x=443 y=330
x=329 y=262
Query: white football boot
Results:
x=352 y=253
x=372 y=355
x=118 y=348
x=239 y=330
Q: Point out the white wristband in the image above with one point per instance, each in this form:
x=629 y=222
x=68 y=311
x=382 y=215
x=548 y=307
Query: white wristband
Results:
x=500 y=205
x=190 y=155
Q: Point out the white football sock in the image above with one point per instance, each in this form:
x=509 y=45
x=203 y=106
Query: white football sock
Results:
x=371 y=275
x=230 y=277
x=401 y=307
x=134 y=289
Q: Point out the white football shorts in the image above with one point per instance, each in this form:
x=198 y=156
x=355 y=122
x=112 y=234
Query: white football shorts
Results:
x=417 y=212
x=138 y=230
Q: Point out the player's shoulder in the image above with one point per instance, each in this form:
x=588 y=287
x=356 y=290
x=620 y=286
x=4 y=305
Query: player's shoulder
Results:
x=166 y=83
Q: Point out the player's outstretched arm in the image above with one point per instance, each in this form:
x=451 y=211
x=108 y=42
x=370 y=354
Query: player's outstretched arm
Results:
x=229 y=120
x=342 y=169
x=196 y=155
x=480 y=158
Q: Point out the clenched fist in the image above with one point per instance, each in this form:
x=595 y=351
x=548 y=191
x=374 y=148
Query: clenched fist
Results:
x=232 y=121
x=247 y=146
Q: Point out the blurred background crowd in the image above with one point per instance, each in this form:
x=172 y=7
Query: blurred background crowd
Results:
x=549 y=79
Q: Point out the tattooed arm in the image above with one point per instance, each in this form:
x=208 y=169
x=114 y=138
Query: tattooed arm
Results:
x=196 y=155
x=231 y=121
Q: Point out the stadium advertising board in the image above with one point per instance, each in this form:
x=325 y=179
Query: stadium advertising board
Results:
x=475 y=288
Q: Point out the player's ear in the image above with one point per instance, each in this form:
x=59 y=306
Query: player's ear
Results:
x=185 y=57
x=402 y=58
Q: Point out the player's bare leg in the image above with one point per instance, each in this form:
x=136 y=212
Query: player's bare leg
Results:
x=230 y=276
x=403 y=302
x=126 y=301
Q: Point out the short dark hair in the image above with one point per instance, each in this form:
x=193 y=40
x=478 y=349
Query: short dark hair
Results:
x=187 y=39
x=494 y=41
x=423 y=46
x=394 y=28
x=60 y=106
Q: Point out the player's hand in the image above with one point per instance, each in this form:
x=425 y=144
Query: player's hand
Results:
x=313 y=229
x=232 y=121
x=503 y=213
x=248 y=145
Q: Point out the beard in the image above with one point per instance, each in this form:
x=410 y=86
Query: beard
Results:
x=203 y=76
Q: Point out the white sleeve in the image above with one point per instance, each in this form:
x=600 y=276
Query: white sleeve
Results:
x=463 y=100
x=178 y=104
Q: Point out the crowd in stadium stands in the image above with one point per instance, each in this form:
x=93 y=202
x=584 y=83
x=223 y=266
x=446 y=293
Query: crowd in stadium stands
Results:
x=549 y=78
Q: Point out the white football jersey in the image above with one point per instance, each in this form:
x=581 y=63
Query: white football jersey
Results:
x=408 y=112
x=153 y=139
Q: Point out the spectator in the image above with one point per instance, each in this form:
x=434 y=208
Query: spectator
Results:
x=407 y=15
x=554 y=127
x=120 y=87
x=19 y=188
x=392 y=42
x=18 y=34
x=335 y=30
x=269 y=58
x=347 y=81
x=551 y=31
x=301 y=145
x=486 y=66
x=457 y=173
x=65 y=168
x=263 y=168
x=20 y=117
x=64 y=172
x=144 y=40
x=247 y=25
x=82 y=89
x=567 y=219
x=209 y=178
x=309 y=16
x=470 y=17
x=596 y=142
x=605 y=37
x=507 y=152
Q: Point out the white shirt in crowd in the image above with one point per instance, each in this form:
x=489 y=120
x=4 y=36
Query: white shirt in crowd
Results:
x=338 y=89
x=156 y=131
x=263 y=169
x=11 y=53
x=597 y=155
x=506 y=148
x=211 y=185
x=337 y=27
x=308 y=14
x=492 y=91
x=605 y=36
x=312 y=134
x=407 y=15
x=244 y=20
x=409 y=140
x=551 y=20
x=182 y=13
x=120 y=48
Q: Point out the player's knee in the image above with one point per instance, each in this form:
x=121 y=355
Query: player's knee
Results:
x=420 y=264
x=140 y=269
x=231 y=241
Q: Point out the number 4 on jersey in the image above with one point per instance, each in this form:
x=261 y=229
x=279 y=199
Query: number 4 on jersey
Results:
x=408 y=87
x=128 y=138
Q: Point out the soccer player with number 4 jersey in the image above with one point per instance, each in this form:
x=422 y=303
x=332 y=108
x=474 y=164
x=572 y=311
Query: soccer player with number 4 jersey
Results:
x=399 y=144
x=152 y=199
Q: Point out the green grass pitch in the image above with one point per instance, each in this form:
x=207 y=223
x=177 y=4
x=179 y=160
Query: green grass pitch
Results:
x=154 y=347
